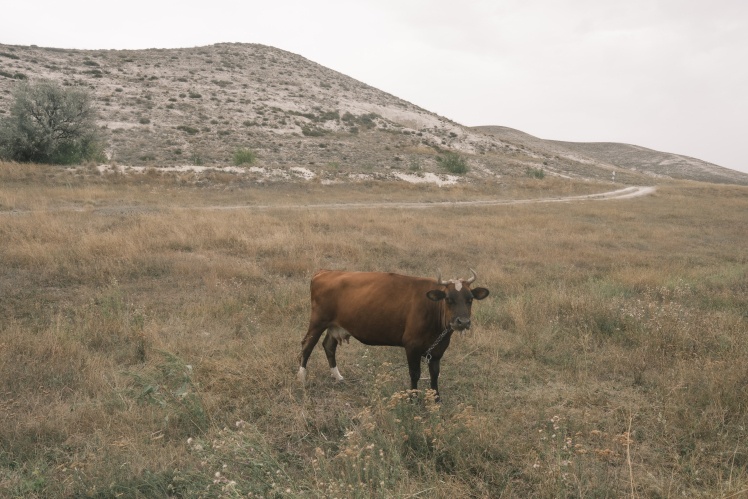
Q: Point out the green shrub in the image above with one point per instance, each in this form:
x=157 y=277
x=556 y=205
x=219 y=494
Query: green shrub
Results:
x=329 y=116
x=244 y=157
x=50 y=124
x=313 y=131
x=535 y=173
x=188 y=129
x=453 y=163
x=365 y=120
x=13 y=76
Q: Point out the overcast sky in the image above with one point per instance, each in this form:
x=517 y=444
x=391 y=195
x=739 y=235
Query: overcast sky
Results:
x=671 y=75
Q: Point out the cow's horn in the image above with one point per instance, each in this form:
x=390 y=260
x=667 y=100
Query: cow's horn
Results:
x=472 y=279
x=439 y=279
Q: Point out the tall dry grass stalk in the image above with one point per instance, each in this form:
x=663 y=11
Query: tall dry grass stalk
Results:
x=151 y=352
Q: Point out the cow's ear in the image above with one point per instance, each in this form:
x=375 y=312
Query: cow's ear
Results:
x=436 y=295
x=479 y=293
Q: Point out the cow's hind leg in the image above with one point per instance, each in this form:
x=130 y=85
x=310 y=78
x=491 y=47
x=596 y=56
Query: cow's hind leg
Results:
x=330 y=344
x=307 y=345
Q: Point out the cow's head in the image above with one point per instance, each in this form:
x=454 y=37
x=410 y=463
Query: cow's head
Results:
x=458 y=299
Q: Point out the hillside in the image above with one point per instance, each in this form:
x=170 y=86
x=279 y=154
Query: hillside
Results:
x=197 y=106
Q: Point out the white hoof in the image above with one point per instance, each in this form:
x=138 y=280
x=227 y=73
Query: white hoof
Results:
x=336 y=374
x=302 y=374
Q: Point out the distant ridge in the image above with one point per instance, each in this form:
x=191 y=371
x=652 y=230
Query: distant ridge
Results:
x=656 y=162
x=197 y=106
x=617 y=156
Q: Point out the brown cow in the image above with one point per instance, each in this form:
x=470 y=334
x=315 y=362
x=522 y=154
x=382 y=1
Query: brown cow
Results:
x=376 y=308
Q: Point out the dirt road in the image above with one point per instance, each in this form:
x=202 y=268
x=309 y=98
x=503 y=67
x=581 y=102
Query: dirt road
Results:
x=626 y=193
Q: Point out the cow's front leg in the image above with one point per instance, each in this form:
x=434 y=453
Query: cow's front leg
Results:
x=434 y=372
x=414 y=367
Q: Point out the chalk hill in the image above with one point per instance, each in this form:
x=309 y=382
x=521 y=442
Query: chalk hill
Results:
x=198 y=106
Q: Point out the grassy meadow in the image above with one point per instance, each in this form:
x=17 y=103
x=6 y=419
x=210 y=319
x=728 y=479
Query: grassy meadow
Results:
x=149 y=342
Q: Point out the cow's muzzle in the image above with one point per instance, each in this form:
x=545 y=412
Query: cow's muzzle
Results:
x=461 y=323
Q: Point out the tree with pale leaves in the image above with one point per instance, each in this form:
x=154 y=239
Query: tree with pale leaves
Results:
x=49 y=123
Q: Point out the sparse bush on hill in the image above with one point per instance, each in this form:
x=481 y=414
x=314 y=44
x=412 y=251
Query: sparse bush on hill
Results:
x=329 y=116
x=538 y=173
x=365 y=120
x=313 y=131
x=188 y=129
x=453 y=163
x=9 y=56
x=50 y=124
x=13 y=76
x=244 y=157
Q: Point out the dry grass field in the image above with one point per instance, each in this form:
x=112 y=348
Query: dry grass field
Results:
x=148 y=344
